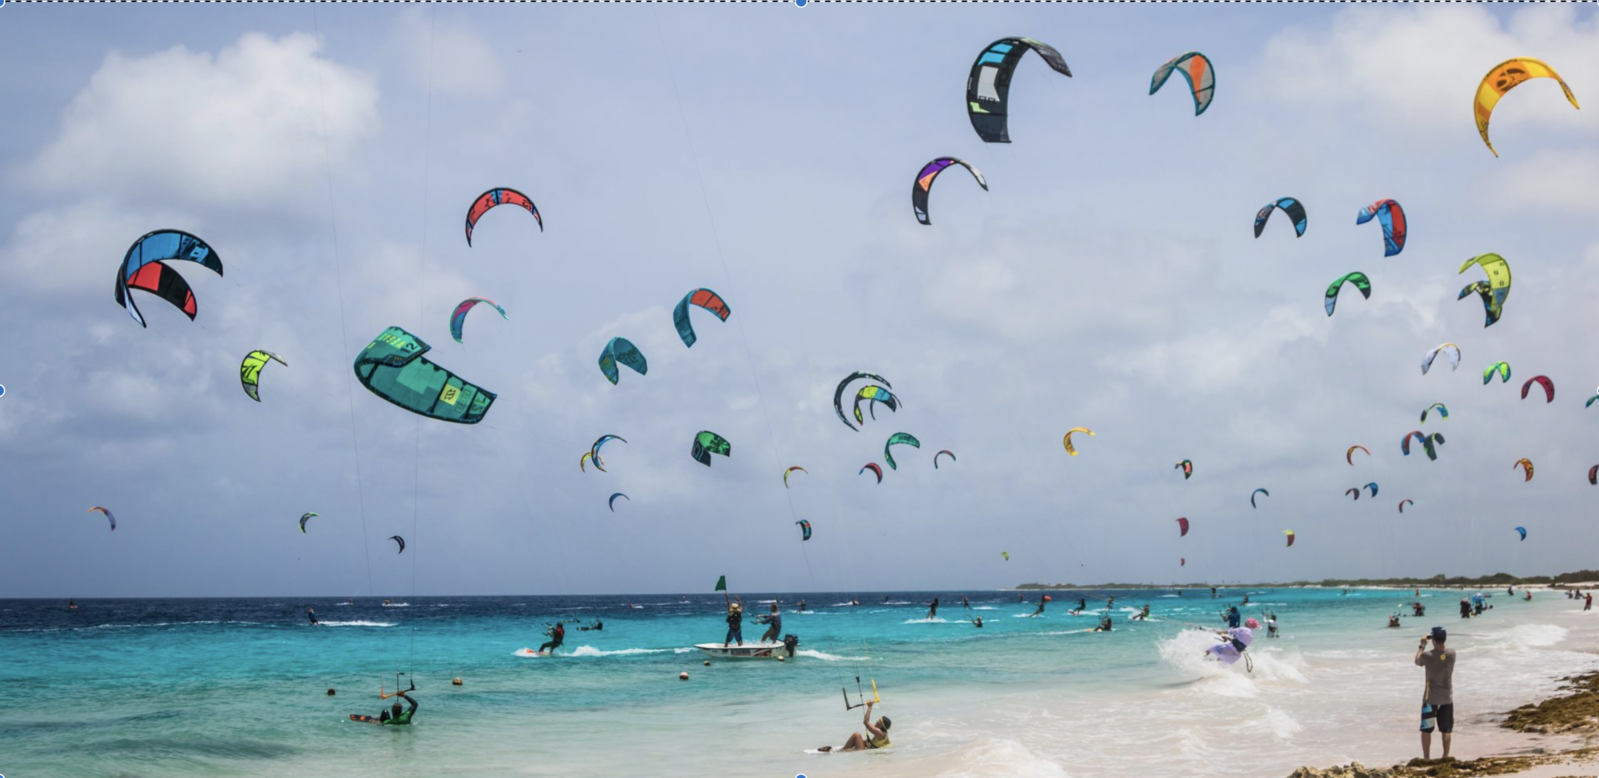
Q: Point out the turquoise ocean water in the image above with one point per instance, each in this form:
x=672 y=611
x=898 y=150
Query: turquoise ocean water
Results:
x=237 y=687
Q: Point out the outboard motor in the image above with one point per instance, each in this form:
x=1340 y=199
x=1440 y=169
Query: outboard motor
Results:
x=789 y=642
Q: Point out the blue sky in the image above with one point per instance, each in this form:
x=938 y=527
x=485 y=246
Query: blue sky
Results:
x=1108 y=279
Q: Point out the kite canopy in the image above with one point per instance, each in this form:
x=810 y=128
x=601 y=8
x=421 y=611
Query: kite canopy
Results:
x=805 y=530
x=1403 y=502
x=1495 y=290
x=1187 y=466
x=924 y=183
x=872 y=466
x=250 y=371
x=582 y=461
x=1443 y=410
x=1358 y=279
x=1504 y=77
x=458 y=317
x=1353 y=492
x=1182 y=527
x=838 y=394
x=1005 y=554
x=1593 y=475
x=898 y=438
x=399 y=540
x=1428 y=442
x=1201 y=82
x=988 y=84
x=143 y=269
x=1290 y=206
x=1454 y=358
x=1349 y=456
x=108 y=516
x=1522 y=531
x=621 y=351
x=1543 y=381
x=1373 y=487
x=497 y=197
x=939 y=454
x=1067 y=441
x=703 y=298
x=1391 y=215
x=790 y=470
x=305 y=518
x=1502 y=368
x=599 y=443
x=1526 y=465
x=1290 y=534
x=874 y=394
x=1252 y=497
x=612 y=501
x=392 y=367
x=707 y=443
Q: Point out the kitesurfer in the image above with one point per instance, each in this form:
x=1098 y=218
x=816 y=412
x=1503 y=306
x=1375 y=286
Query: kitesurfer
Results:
x=876 y=737
x=1142 y=615
x=596 y=626
x=965 y=603
x=932 y=609
x=310 y=613
x=1246 y=598
x=393 y=716
x=735 y=620
x=1232 y=617
x=1104 y=624
x=1041 y=601
x=557 y=635
x=1082 y=605
x=1417 y=609
x=1235 y=640
x=1213 y=592
x=774 y=622
x=72 y=605
x=977 y=621
x=801 y=608
x=1437 y=697
x=1393 y=621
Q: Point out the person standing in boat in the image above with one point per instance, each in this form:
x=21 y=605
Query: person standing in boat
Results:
x=735 y=620
x=774 y=625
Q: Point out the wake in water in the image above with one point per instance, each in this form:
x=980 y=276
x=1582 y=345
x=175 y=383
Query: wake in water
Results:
x=326 y=623
x=934 y=620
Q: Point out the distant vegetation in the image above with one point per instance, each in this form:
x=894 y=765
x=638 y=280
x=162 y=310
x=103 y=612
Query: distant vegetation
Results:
x=1437 y=581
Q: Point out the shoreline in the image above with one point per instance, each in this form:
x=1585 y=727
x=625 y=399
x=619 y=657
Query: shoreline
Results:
x=1556 y=737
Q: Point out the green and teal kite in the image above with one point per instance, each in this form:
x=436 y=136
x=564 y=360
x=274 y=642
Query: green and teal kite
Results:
x=707 y=443
x=895 y=439
x=622 y=351
x=392 y=367
x=1495 y=290
x=1361 y=283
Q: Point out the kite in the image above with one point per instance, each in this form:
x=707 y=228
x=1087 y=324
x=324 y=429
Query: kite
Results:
x=805 y=530
x=939 y=454
x=790 y=470
x=1373 y=487
x=1502 y=368
x=1402 y=504
x=400 y=540
x=1526 y=465
x=1005 y=554
x=1187 y=466
x=1290 y=534
x=1252 y=497
x=600 y=442
x=838 y=394
x=1201 y=81
x=1427 y=443
x=143 y=268
x=1454 y=361
x=1291 y=207
x=875 y=394
x=1590 y=401
x=621 y=351
x=1543 y=381
x=1355 y=492
x=924 y=183
x=582 y=462
x=458 y=318
x=108 y=516
x=1070 y=449
x=1593 y=475
x=494 y=197
x=895 y=439
x=1361 y=282
x=1523 y=532
x=1182 y=527
x=392 y=367
x=1495 y=290
x=1504 y=77
x=1443 y=411
x=250 y=371
x=612 y=501
x=703 y=298
x=1182 y=562
x=988 y=84
x=707 y=443
x=872 y=466
x=1391 y=215
x=1349 y=456
x=305 y=518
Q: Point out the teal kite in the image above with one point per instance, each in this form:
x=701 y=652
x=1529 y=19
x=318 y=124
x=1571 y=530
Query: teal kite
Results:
x=392 y=367
x=707 y=443
x=621 y=351
x=895 y=439
x=703 y=298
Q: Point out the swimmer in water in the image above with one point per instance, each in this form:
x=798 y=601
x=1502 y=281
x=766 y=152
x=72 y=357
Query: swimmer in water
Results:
x=977 y=621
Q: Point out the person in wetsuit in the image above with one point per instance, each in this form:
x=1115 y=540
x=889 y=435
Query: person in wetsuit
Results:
x=932 y=609
x=1041 y=601
x=393 y=716
x=735 y=621
x=1232 y=617
x=596 y=626
x=1142 y=615
x=310 y=613
x=1104 y=624
x=557 y=635
x=1082 y=605
x=774 y=622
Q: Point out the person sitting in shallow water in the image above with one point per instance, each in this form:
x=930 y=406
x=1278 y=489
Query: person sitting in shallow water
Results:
x=1104 y=624
x=876 y=737
x=977 y=621
x=1393 y=620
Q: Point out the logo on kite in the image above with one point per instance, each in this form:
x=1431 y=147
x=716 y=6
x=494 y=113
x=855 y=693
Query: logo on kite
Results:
x=1361 y=283
x=250 y=371
x=458 y=317
x=872 y=466
x=1495 y=290
x=1201 y=82
x=707 y=443
x=1392 y=218
x=838 y=395
x=621 y=351
x=1504 y=77
x=924 y=183
x=988 y=84
x=703 y=298
x=497 y=197
x=1290 y=206
x=143 y=268
x=898 y=438
x=392 y=367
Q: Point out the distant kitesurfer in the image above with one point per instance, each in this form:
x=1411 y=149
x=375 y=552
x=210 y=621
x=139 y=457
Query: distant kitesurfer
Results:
x=557 y=635
x=310 y=613
x=932 y=609
x=1041 y=601
x=596 y=626
x=1393 y=621
x=965 y=603
x=72 y=605
x=1246 y=598
x=1213 y=592
x=1142 y=615
x=876 y=734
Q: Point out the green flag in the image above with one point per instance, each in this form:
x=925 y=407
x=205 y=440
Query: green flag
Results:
x=721 y=584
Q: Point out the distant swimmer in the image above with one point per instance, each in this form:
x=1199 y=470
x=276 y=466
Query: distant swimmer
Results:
x=393 y=716
x=1235 y=641
x=932 y=609
x=774 y=622
x=1142 y=615
x=557 y=635
x=977 y=621
x=876 y=734
x=1528 y=598
x=735 y=620
x=1393 y=621
x=596 y=626
x=310 y=613
x=1104 y=624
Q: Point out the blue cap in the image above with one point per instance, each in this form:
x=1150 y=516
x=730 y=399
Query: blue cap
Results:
x=1439 y=634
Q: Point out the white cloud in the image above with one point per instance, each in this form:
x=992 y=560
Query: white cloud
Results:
x=448 y=56
x=241 y=127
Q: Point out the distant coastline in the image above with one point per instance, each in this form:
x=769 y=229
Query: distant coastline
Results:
x=1435 y=582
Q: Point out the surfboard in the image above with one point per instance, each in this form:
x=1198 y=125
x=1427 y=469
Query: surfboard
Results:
x=364 y=719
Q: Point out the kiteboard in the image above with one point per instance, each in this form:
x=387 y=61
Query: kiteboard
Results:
x=364 y=719
x=746 y=651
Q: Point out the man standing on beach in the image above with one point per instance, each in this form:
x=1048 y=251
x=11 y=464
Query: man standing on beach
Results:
x=1437 y=698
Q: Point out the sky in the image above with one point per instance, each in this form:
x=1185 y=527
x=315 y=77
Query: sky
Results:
x=1108 y=279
